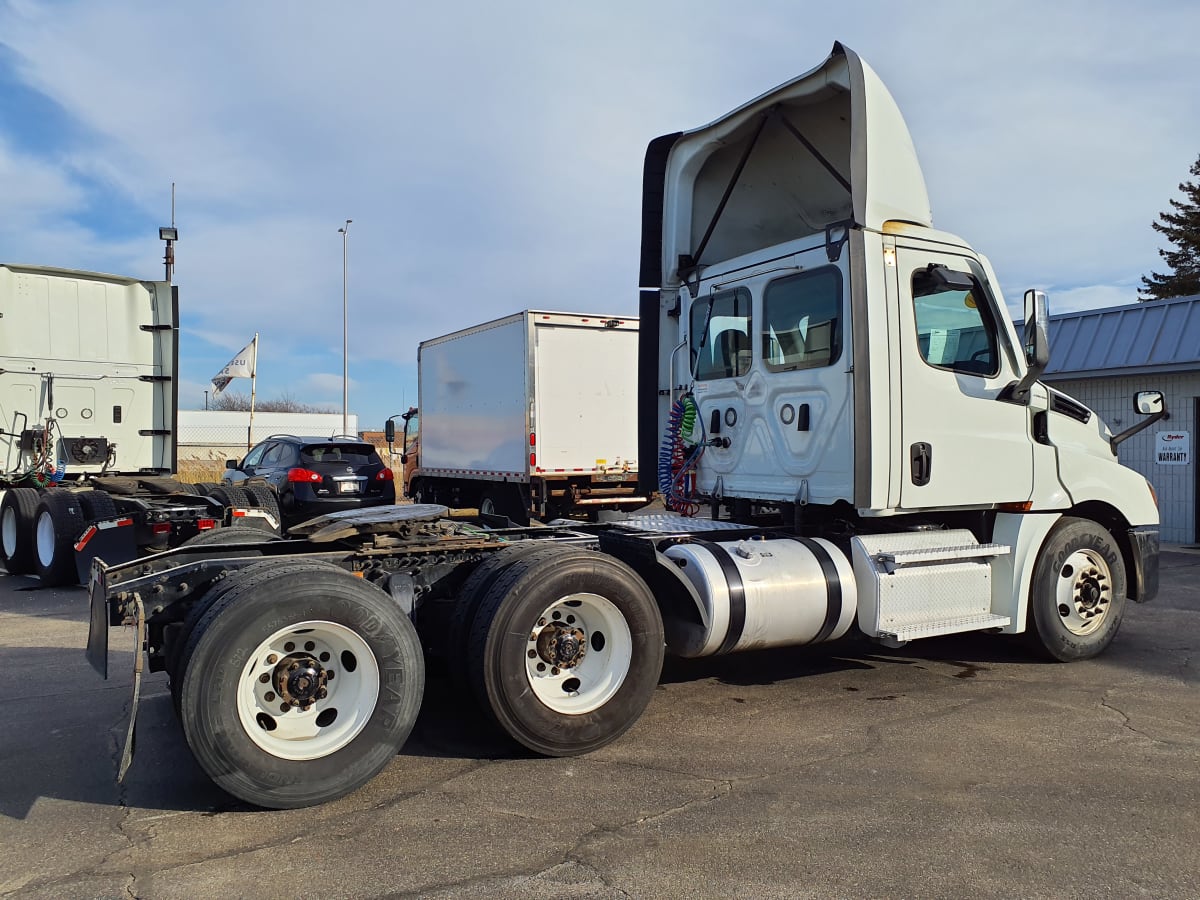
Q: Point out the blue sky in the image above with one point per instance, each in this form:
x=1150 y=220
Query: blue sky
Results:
x=490 y=154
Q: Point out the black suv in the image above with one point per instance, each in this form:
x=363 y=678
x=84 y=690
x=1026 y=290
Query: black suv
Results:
x=316 y=475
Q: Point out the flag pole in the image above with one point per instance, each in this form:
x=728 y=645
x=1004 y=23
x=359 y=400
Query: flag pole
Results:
x=253 y=372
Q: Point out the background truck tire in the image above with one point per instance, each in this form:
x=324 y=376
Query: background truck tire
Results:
x=97 y=505
x=58 y=523
x=1077 y=596
x=262 y=497
x=566 y=650
x=330 y=623
x=17 y=512
x=504 y=500
x=230 y=495
x=204 y=488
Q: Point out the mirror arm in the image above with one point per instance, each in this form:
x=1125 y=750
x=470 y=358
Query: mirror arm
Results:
x=1134 y=429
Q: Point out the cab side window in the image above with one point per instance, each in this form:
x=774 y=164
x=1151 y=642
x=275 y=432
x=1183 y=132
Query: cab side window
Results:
x=955 y=330
x=720 y=335
x=803 y=320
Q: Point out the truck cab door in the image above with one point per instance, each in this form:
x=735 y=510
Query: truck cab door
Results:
x=961 y=444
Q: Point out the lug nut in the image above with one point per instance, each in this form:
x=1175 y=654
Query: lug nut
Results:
x=264 y=678
x=272 y=659
x=322 y=694
x=533 y=654
x=269 y=696
x=283 y=707
x=329 y=674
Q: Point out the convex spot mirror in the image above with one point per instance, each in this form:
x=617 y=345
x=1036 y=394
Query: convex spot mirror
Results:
x=1148 y=402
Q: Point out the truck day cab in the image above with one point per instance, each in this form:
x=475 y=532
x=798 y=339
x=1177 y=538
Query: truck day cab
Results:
x=836 y=383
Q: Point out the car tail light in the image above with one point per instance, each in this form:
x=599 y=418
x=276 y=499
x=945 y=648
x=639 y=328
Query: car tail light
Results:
x=303 y=475
x=385 y=475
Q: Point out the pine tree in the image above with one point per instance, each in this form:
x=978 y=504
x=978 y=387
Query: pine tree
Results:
x=1182 y=228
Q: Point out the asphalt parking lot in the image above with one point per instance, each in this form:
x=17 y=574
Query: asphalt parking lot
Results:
x=955 y=767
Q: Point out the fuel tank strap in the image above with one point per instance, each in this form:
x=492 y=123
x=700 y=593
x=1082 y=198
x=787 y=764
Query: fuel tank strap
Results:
x=834 y=601
x=737 y=594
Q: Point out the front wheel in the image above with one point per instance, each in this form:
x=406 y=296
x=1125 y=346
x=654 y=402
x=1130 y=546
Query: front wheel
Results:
x=287 y=704
x=1078 y=592
x=566 y=650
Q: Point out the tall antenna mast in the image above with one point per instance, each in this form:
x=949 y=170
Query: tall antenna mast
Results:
x=170 y=235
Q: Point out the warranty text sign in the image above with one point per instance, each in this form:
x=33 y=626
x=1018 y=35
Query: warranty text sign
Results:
x=1173 y=448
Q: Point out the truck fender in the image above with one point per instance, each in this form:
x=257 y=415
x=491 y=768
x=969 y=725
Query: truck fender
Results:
x=1012 y=574
x=684 y=613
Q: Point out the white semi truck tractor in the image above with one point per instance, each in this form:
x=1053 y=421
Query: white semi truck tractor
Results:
x=850 y=436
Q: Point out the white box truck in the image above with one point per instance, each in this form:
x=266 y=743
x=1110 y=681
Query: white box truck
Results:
x=834 y=381
x=530 y=413
x=88 y=436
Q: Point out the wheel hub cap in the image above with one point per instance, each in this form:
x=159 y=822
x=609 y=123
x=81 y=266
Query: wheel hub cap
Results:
x=299 y=680
x=561 y=646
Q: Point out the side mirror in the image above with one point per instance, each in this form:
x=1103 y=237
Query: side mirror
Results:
x=389 y=431
x=1147 y=403
x=231 y=463
x=1037 y=330
x=403 y=459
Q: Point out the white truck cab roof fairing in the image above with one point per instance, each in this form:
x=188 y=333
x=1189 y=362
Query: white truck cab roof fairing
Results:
x=826 y=148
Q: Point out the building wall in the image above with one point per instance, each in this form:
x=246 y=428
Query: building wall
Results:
x=219 y=434
x=1112 y=400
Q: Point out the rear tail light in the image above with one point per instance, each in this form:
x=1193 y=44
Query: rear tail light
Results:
x=161 y=528
x=303 y=475
x=206 y=524
x=385 y=475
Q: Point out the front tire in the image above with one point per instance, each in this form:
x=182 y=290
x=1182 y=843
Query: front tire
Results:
x=1078 y=592
x=566 y=650
x=343 y=681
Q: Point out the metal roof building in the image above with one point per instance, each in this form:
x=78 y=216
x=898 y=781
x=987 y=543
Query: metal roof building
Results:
x=1102 y=357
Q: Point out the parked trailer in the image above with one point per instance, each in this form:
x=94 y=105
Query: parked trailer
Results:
x=88 y=399
x=528 y=414
x=835 y=383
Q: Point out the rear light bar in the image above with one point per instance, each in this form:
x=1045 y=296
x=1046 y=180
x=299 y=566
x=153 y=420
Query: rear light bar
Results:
x=303 y=475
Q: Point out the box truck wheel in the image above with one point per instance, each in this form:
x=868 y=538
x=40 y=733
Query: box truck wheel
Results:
x=58 y=524
x=17 y=512
x=566 y=650
x=300 y=683
x=1077 y=596
x=504 y=500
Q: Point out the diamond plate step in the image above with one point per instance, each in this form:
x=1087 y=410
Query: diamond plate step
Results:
x=947 y=626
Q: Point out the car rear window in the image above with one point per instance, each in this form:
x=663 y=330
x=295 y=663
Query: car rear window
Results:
x=346 y=454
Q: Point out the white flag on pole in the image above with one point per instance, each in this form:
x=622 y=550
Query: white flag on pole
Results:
x=241 y=366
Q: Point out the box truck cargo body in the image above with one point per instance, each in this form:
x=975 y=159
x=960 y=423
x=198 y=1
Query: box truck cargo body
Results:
x=530 y=413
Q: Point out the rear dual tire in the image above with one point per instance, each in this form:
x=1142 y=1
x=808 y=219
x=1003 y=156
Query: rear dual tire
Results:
x=17 y=513
x=343 y=634
x=565 y=650
x=58 y=523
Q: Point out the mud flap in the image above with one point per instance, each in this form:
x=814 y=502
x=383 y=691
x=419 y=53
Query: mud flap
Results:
x=97 y=642
x=138 y=664
x=114 y=540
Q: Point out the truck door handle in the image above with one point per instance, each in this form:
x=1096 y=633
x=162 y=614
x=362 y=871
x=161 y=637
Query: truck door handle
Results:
x=921 y=458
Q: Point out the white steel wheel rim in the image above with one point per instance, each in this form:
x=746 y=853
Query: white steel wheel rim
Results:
x=8 y=532
x=585 y=681
x=45 y=538
x=1084 y=592
x=326 y=723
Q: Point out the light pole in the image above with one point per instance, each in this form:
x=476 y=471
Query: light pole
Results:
x=344 y=231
